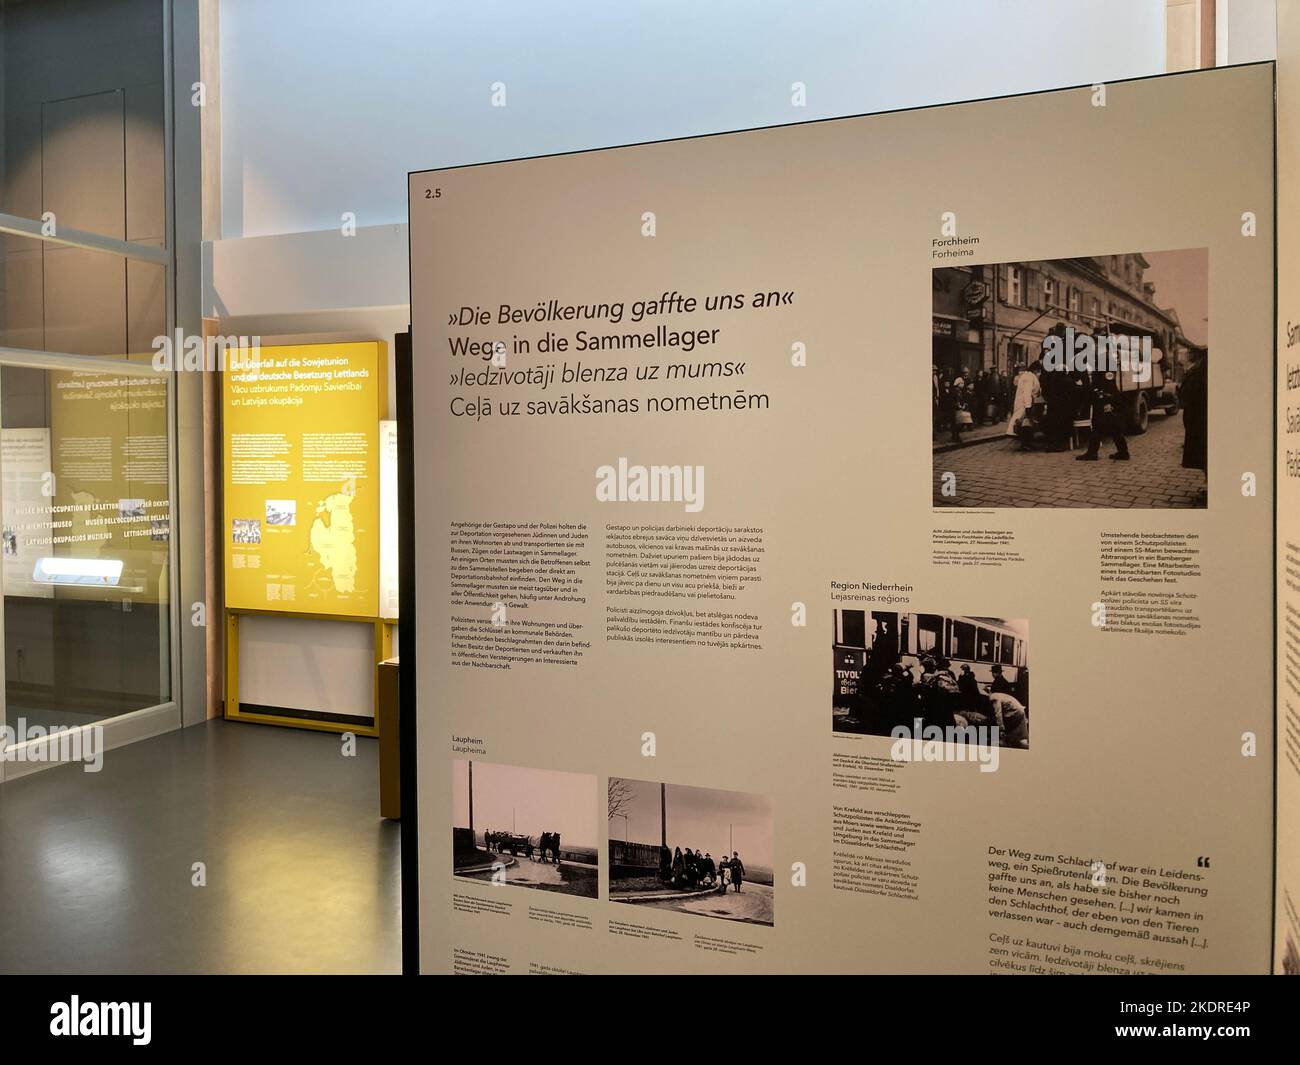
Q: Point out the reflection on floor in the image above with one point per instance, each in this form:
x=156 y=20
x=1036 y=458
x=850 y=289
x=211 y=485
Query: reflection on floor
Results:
x=31 y=715
x=302 y=875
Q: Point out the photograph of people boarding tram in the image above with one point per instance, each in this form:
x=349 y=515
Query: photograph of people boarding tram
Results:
x=947 y=670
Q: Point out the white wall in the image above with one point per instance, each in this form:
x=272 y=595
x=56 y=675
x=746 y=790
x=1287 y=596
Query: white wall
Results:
x=326 y=104
x=1245 y=31
x=307 y=664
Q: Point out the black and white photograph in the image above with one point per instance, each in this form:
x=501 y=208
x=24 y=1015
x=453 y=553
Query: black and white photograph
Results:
x=953 y=671
x=245 y=530
x=700 y=851
x=533 y=828
x=282 y=512
x=1072 y=383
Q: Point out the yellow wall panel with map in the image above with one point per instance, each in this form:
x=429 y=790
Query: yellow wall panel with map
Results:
x=301 y=431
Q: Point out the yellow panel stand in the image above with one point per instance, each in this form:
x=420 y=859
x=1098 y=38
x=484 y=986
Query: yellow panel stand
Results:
x=383 y=650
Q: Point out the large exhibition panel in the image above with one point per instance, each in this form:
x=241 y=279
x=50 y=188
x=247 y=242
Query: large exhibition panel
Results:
x=755 y=477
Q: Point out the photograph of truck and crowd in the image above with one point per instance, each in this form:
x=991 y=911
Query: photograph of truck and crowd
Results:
x=951 y=671
x=1072 y=382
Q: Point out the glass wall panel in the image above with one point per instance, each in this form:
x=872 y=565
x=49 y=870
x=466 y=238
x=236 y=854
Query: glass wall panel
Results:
x=81 y=93
x=62 y=299
x=84 y=460
x=84 y=454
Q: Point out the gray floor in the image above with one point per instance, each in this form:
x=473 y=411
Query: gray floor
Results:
x=302 y=874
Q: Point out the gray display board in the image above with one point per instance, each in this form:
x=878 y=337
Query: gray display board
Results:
x=754 y=518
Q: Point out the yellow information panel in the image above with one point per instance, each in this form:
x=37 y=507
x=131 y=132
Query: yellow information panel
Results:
x=302 y=479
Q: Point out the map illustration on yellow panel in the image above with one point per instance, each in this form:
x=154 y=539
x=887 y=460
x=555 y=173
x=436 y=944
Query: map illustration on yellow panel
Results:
x=333 y=538
x=302 y=479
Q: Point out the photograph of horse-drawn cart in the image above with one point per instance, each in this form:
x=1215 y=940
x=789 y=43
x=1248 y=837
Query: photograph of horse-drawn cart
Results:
x=542 y=848
x=525 y=827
